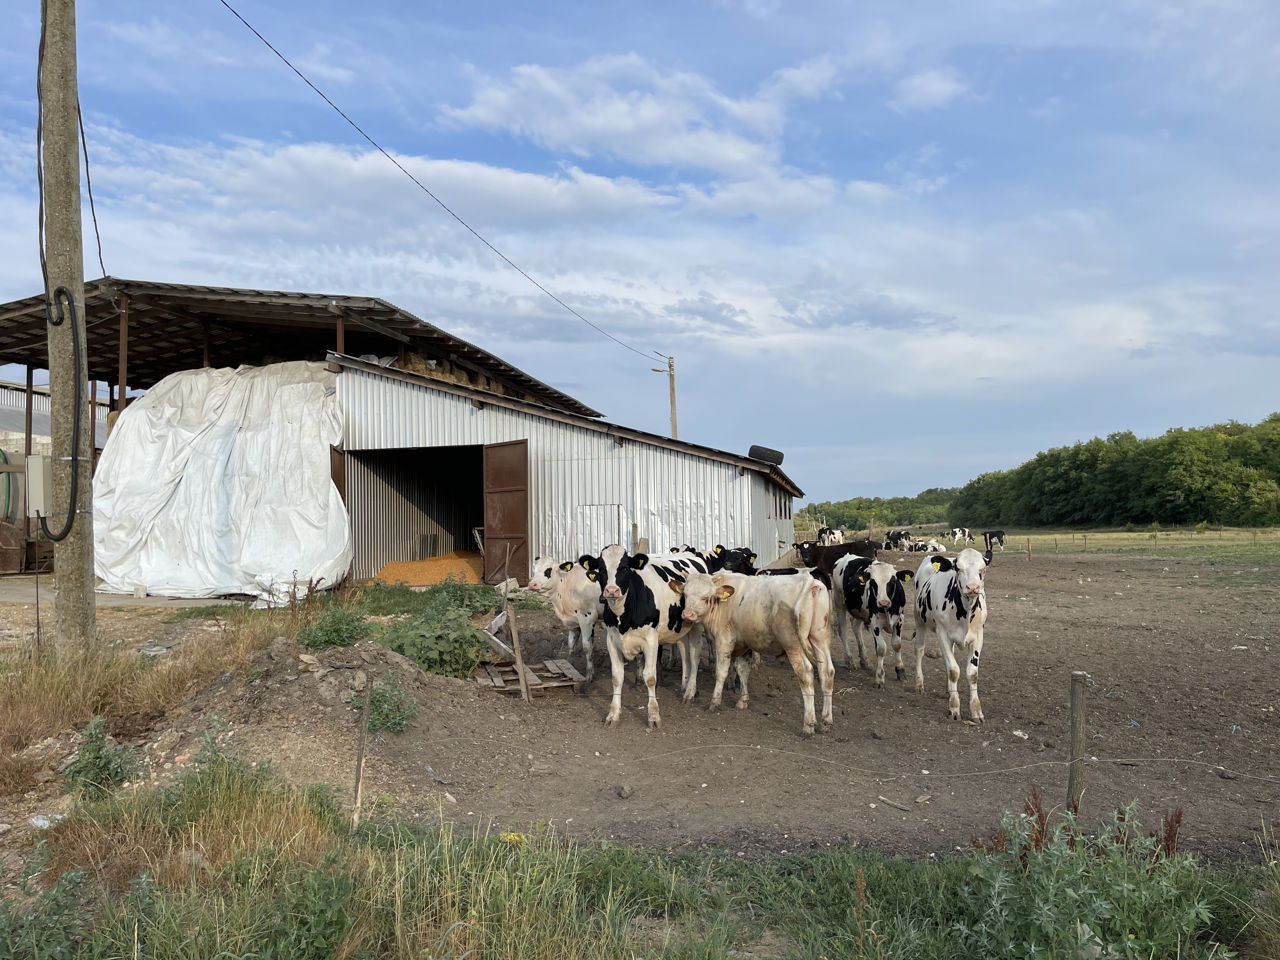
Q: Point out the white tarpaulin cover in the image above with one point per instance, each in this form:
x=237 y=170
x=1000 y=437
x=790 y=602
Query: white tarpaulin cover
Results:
x=218 y=482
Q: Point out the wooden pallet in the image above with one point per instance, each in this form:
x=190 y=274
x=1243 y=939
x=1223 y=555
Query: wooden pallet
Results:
x=550 y=676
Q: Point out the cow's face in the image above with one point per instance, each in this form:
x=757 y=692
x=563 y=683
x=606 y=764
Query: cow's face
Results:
x=808 y=552
x=884 y=586
x=542 y=571
x=739 y=560
x=612 y=571
x=700 y=591
x=971 y=568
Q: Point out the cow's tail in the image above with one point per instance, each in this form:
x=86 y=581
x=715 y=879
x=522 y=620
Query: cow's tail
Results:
x=813 y=620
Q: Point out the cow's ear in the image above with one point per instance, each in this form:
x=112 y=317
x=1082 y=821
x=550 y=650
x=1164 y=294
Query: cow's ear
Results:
x=639 y=560
x=676 y=586
x=675 y=549
x=987 y=556
x=906 y=576
x=718 y=549
x=753 y=559
x=942 y=564
x=567 y=566
x=726 y=592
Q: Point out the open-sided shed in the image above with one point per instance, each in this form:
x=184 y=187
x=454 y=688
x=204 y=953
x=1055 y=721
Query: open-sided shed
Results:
x=440 y=438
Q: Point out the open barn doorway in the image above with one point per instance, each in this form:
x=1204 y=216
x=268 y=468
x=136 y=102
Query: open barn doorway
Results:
x=410 y=504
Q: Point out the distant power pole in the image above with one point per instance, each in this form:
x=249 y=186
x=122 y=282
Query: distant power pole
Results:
x=60 y=105
x=670 y=371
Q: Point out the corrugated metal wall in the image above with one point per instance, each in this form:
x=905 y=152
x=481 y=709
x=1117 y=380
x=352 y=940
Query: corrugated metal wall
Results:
x=585 y=488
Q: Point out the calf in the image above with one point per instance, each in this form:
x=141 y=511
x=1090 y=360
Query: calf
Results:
x=951 y=598
x=641 y=612
x=871 y=594
x=824 y=558
x=828 y=536
x=897 y=539
x=959 y=534
x=993 y=537
x=789 y=616
x=574 y=598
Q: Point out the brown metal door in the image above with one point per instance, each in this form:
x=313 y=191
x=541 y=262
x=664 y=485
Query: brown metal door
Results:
x=506 y=510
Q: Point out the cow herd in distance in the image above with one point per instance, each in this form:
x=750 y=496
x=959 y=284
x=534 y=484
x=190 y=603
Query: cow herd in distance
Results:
x=687 y=597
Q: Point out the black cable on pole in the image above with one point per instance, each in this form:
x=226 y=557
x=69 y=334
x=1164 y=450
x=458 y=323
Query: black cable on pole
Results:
x=443 y=206
x=88 y=183
x=56 y=318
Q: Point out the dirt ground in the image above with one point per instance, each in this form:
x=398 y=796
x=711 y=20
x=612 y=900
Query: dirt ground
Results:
x=1182 y=712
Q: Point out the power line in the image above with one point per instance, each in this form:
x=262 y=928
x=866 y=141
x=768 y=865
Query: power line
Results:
x=421 y=186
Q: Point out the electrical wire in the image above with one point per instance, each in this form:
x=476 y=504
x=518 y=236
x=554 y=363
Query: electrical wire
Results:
x=421 y=186
x=88 y=182
x=56 y=318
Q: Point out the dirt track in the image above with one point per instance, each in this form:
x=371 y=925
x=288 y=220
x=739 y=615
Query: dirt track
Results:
x=1180 y=656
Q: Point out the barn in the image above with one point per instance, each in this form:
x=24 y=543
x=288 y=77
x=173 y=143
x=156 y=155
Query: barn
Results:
x=442 y=445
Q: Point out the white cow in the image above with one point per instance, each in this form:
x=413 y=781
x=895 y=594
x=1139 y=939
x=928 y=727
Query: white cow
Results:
x=951 y=599
x=789 y=616
x=574 y=598
x=871 y=594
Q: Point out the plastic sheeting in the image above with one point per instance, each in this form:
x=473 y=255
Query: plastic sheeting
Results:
x=218 y=482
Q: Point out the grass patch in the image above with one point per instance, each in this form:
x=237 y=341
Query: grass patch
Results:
x=391 y=707
x=234 y=861
x=99 y=765
x=1246 y=546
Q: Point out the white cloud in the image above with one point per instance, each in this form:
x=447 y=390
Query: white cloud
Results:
x=927 y=90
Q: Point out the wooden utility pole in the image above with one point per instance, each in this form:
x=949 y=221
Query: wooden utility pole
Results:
x=671 y=384
x=72 y=556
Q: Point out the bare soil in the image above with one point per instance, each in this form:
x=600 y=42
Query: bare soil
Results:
x=1182 y=712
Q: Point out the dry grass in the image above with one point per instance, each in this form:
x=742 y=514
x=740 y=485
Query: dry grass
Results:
x=42 y=695
x=17 y=774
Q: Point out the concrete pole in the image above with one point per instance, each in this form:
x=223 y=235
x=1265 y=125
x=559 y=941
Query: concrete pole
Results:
x=73 y=557
x=671 y=380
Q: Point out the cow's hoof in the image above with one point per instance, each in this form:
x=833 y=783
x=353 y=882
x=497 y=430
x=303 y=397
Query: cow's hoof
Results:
x=900 y=673
x=824 y=726
x=688 y=698
x=655 y=723
x=953 y=714
x=714 y=706
x=807 y=731
x=610 y=721
x=744 y=703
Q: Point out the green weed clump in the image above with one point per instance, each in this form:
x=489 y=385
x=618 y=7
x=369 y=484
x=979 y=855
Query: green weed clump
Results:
x=1039 y=890
x=448 y=644
x=336 y=626
x=99 y=764
x=391 y=706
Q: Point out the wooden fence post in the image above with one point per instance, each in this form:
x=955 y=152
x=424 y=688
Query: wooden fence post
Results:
x=1075 y=766
x=515 y=633
x=364 y=737
x=1028 y=548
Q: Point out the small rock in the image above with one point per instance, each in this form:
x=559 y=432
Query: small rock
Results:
x=289 y=677
x=44 y=821
x=1226 y=774
x=358 y=679
x=877 y=735
x=5 y=828
x=165 y=743
x=623 y=791
x=151 y=650
x=450 y=797
x=309 y=660
x=541 y=769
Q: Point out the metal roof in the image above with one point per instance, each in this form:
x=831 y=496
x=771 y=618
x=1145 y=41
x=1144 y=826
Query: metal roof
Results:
x=167 y=324
x=480 y=397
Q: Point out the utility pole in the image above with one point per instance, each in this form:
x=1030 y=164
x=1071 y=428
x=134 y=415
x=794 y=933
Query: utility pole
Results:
x=670 y=371
x=74 y=610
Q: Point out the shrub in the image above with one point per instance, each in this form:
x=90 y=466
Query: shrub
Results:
x=337 y=626
x=99 y=764
x=1155 y=527
x=1202 y=526
x=1041 y=890
x=391 y=706
x=449 y=645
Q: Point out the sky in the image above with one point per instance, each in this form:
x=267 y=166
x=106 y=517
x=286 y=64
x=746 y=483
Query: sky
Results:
x=905 y=243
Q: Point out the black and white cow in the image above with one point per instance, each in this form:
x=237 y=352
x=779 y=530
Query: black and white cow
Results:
x=959 y=535
x=788 y=616
x=641 y=612
x=897 y=539
x=952 y=601
x=824 y=558
x=829 y=536
x=873 y=595
x=993 y=538
x=574 y=598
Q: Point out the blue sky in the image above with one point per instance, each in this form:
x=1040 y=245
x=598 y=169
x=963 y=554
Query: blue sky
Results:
x=905 y=243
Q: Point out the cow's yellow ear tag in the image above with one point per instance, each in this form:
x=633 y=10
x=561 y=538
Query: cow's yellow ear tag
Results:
x=724 y=596
x=937 y=565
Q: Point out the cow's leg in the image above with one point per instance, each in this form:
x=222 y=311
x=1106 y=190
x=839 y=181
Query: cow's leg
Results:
x=651 y=676
x=842 y=625
x=691 y=650
x=586 y=624
x=827 y=677
x=973 y=648
x=953 y=675
x=613 y=640
x=918 y=638
x=896 y=636
x=877 y=634
x=721 y=652
x=860 y=628
x=804 y=673
x=743 y=667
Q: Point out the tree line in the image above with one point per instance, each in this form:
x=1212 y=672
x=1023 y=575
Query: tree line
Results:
x=1228 y=473
x=928 y=506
